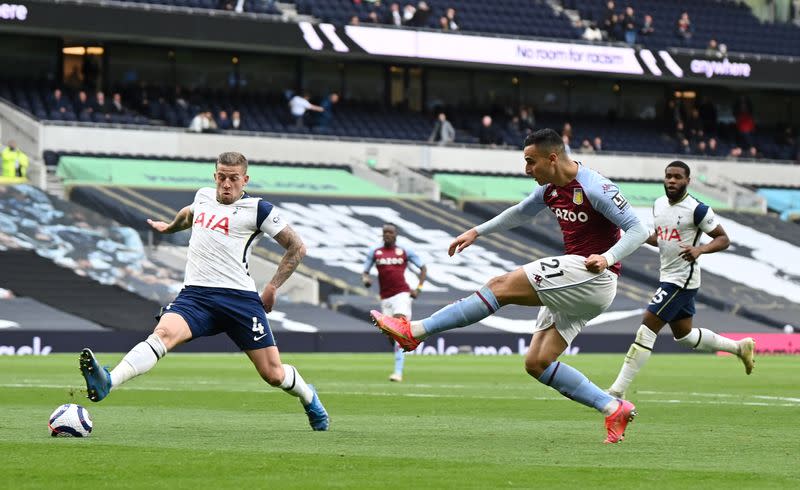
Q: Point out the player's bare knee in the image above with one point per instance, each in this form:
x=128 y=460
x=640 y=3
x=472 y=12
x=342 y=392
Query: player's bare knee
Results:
x=165 y=335
x=536 y=366
x=273 y=375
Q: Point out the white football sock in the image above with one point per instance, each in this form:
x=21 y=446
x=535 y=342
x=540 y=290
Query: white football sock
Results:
x=611 y=407
x=705 y=340
x=418 y=331
x=139 y=360
x=294 y=384
x=635 y=359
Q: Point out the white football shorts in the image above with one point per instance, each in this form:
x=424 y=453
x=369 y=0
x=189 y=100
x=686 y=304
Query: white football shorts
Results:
x=571 y=294
x=399 y=304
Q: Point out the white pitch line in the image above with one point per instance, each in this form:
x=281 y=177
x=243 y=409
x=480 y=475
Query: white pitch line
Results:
x=792 y=402
x=720 y=395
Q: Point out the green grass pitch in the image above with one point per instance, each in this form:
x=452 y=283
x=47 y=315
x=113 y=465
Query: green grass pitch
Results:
x=208 y=421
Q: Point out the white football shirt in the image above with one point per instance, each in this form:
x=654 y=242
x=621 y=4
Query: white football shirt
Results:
x=223 y=236
x=679 y=224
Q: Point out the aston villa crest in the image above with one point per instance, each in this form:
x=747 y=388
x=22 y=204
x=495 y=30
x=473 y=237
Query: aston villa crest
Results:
x=577 y=196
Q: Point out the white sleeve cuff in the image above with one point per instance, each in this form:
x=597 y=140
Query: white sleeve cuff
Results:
x=610 y=258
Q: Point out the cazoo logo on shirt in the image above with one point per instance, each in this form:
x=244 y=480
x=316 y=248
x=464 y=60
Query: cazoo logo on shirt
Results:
x=571 y=216
x=391 y=261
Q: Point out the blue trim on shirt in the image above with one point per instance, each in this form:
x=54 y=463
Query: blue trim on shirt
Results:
x=262 y=211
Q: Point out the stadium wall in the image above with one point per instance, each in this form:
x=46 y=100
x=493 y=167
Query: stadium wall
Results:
x=383 y=156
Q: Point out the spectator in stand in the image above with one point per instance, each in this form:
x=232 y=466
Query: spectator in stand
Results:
x=592 y=33
x=13 y=161
x=702 y=148
x=629 y=25
x=452 y=21
x=408 y=14
x=753 y=152
x=421 y=15
x=116 y=106
x=236 y=120
x=58 y=102
x=443 y=24
x=684 y=29
x=566 y=130
x=354 y=20
x=372 y=18
x=201 y=123
x=736 y=152
x=586 y=146
x=223 y=122
x=694 y=126
x=648 y=27
x=609 y=21
x=708 y=114
x=101 y=106
x=298 y=106
x=393 y=16
x=713 y=149
x=443 y=132
x=487 y=133
x=525 y=122
x=598 y=143
x=712 y=50
x=566 y=139
x=680 y=131
x=82 y=105
x=745 y=124
x=684 y=148
x=326 y=116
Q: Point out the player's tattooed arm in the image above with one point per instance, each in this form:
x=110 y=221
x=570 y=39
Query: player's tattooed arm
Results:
x=295 y=251
x=182 y=221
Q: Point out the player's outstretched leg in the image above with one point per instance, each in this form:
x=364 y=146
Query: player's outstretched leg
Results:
x=399 y=360
x=98 y=380
x=464 y=312
x=705 y=340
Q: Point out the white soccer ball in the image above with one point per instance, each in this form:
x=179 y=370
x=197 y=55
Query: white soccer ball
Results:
x=70 y=420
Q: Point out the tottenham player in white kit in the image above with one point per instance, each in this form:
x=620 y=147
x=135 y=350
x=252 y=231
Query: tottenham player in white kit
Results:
x=679 y=219
x=219 y=295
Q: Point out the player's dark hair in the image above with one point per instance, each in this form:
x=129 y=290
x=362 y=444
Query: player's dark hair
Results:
x=233 y=159
x=546 y=139
x=388 y=223
x=680 y=164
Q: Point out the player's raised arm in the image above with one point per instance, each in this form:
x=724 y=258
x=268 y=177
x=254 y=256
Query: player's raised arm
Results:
x=295 y=251
x=182 y=221
x=606 y=197
x=510 y=218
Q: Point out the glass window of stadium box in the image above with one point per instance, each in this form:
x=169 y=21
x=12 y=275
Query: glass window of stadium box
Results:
x=129 y=65
x=200 y=69
x=29 y=57
x=267 y=73
x=322 y=77
x=448 y=88
x=363 y=82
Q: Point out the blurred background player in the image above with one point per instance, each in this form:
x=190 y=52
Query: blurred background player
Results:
x=680 y=220
x=219 y=295
x=570 y=289
x=395 y=293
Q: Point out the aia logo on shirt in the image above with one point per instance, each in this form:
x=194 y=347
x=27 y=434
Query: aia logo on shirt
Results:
x=213 y=222
x=668 y=234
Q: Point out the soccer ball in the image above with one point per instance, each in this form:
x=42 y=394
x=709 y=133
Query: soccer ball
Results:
x=70 y=420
